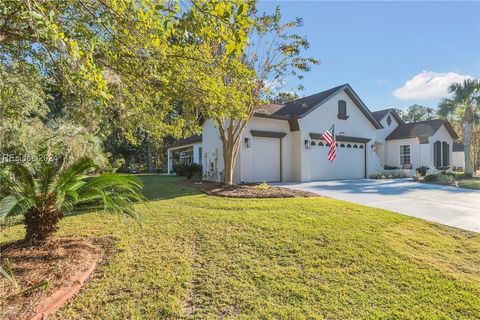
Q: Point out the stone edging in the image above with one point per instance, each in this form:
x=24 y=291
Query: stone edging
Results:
x=51 y=303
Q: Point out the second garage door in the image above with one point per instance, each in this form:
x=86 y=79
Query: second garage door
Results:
x=349 y=163
x=266 y=160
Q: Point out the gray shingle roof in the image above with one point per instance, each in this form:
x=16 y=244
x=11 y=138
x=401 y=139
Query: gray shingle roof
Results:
x=190 y=140
x=380 y=114
x=303 y=105
x=299 y=108
x=420 y=129
x=458 y=147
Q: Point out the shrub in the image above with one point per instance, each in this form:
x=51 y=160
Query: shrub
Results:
x=422 y=171
x=187 y=170
x=45 y=194
x=417 y=177
x=389 y=175
x=462 y=175
x=445 y=179
x=431 y=177
x=399 y=174
x=263 y=186
x=126 y=169
x=377 y=175
x=390 y=168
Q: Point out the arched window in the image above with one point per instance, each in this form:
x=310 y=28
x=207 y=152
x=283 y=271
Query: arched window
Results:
x=355 y=146
x=327 y=144
x=349 y=145
x=342 y=145
x=313 y=143
x=336 y=144
x=361 y=146
x=437 y=154
x=445 y=154
x=320 y=144
x=389 y=120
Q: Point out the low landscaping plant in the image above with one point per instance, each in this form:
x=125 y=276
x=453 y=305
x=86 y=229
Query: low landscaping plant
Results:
x=417 y=177
x=44 y=194
x=445 y=179
x=431 y=177
x=388 y=175
x=422 y=170
x=187 y=170
x=390 y=168
x=263 y=186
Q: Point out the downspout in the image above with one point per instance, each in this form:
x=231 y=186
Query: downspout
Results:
x=365 y=159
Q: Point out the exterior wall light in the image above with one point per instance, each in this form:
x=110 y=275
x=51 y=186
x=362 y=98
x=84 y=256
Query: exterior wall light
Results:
x=247 y=143
x=307 y=144
x=374 y=147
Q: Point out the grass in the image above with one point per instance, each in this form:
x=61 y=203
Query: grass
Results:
x=203 y=257
x=470 y=183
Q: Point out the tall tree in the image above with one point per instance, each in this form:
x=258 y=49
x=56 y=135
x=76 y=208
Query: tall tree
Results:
x=284 y=97
x=464 y=106
x=250 y=79
x=415 y=113
x=128 y=64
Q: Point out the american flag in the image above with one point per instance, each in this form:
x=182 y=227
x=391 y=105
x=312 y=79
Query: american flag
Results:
x=329 y=136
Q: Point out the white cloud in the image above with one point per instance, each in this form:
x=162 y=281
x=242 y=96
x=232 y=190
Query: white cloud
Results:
x=428 y=85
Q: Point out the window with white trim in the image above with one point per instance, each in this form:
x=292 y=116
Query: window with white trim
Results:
x=404 y=154
x=186 y=157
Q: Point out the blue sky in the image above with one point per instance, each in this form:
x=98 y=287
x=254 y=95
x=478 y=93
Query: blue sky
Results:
x=378 y=46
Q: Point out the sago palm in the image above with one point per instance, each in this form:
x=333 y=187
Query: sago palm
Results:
x=45 y=194
x=464 y=106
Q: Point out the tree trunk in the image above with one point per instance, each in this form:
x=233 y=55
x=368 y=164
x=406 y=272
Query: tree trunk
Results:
x=230 y=145
x=467 y=140
x=149 y=153
x=41 y=224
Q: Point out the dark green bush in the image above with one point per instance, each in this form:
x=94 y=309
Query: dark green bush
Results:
x=390 y=168
x=422 y=170
x=462 y=175
x=445 y=178
x=187 y=170
x=126 y=169
x=431 y=177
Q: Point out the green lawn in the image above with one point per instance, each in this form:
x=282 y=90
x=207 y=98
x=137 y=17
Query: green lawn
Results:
x=470 y=183
x=203 y=257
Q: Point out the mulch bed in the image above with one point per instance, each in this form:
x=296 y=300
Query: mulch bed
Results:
x=247 y=190
x=59 y=261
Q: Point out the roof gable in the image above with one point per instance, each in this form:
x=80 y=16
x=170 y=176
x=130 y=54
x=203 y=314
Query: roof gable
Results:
x=380 y=114
x=302 y=107
x=420 y=129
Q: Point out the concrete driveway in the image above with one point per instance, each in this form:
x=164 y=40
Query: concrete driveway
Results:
x=452 y=206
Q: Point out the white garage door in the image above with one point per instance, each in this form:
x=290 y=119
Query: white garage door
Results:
x=349 y=163
x=266 y=159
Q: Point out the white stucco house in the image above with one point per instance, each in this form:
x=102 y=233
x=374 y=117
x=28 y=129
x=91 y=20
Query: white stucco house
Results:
x=458 y=156
x=283 y=142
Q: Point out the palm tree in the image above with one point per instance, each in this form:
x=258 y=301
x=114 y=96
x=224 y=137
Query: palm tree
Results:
x=45 y=194
x=464 y=106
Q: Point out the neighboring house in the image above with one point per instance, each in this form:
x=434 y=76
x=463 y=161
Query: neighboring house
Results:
x=458 y=156
x=185 y=151
x=283 y=142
